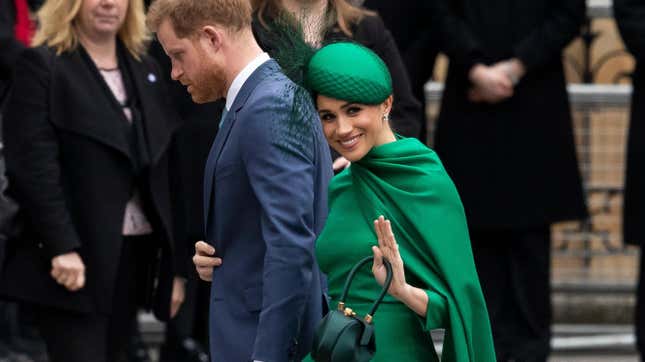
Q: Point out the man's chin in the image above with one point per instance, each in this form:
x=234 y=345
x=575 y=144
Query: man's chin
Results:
x=200 y=99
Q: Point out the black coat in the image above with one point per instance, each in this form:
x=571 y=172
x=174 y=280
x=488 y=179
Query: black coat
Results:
x=630 y=17
x=514 y=163
x=371 y=32
x=71 y=168
x=418 y=41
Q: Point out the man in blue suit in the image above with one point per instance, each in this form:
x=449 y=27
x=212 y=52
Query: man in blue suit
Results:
x=265 y=183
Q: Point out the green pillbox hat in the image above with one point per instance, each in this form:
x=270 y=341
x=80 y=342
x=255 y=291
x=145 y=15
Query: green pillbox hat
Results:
x=349 y=72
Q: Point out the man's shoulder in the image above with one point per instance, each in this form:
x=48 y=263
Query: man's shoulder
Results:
x=274 y=83
x=277 y=89
x=282 y=112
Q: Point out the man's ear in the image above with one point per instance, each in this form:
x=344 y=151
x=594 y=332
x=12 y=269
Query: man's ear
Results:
x=211 y=37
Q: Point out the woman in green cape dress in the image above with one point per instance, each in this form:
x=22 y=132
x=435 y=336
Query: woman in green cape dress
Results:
x=395 y=201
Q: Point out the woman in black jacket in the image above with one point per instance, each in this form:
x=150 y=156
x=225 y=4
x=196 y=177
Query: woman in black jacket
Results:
x=505 y=136
x=335 y=20
x=88 y=134
x=629 y=16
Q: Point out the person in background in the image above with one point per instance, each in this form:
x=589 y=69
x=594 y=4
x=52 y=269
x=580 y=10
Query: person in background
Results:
x=19 y=340
x=324 y=21
x=505 y=135
x=629 y=15
x=89 y=138
x=417 y=41
x=187 y=334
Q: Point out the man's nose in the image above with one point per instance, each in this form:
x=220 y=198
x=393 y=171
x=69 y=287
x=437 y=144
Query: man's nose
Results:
x=175 y=73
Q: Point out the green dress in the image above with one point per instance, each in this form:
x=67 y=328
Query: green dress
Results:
x=406 y=182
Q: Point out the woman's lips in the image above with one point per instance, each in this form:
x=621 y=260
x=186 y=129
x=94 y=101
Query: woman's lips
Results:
x=107 y=18
x=350 y=143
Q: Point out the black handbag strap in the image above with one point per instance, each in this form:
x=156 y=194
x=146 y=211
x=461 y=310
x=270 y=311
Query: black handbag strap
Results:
x=350 y=278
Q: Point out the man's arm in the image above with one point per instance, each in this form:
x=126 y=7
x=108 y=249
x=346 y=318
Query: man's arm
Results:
x=278 y=153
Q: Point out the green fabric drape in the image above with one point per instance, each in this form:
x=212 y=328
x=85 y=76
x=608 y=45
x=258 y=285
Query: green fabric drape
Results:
x=406 y=182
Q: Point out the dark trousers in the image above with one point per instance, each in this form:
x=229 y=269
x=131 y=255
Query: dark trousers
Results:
x=514 y=271
x=74 y=337
x=191 y=323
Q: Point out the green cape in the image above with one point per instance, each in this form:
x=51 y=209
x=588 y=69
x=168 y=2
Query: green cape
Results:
x=406 y=182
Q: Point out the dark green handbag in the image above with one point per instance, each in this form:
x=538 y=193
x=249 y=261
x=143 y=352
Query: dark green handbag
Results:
x=340 y=336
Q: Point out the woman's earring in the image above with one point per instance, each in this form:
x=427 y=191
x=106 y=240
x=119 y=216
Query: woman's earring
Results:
x=386 y=117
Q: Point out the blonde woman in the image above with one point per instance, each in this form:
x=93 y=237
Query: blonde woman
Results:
x=88 y=135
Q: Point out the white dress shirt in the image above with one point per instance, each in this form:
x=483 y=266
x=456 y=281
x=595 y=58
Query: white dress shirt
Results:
x=241 y=78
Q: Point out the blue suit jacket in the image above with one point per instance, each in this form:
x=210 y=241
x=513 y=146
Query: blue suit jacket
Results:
x=265 y=203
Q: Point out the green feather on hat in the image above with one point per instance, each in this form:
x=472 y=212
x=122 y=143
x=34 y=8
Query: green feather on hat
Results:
x=341 y=70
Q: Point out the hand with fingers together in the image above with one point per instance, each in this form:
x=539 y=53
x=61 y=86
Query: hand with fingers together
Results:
x=69 y=271
x=490 y=84
x=205 y=260
x=415 y=298
x=388 y=248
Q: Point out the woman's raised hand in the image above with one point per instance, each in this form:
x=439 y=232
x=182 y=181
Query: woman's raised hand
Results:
x=388 y=248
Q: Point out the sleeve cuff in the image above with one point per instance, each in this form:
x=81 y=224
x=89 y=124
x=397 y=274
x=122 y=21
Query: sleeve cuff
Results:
x=437 y=311
x=61 y=245
x=54 y=251
x=524 y=55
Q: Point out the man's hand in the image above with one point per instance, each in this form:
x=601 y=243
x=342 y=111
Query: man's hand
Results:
x=490 y=84
x=178 y=295
x=205 y=260
x=69 y=271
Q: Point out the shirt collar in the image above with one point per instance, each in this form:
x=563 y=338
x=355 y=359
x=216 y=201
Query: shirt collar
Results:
x=241 y=78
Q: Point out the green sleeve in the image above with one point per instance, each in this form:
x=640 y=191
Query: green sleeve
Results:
x=437 y=312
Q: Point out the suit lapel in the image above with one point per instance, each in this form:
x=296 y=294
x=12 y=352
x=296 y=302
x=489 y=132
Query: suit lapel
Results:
x=213 y=157
x=251 y=83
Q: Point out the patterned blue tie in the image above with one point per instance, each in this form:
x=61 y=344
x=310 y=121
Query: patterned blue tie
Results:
x=221 y=120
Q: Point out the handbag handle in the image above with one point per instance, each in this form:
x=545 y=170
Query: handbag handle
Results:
x=350 y=278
